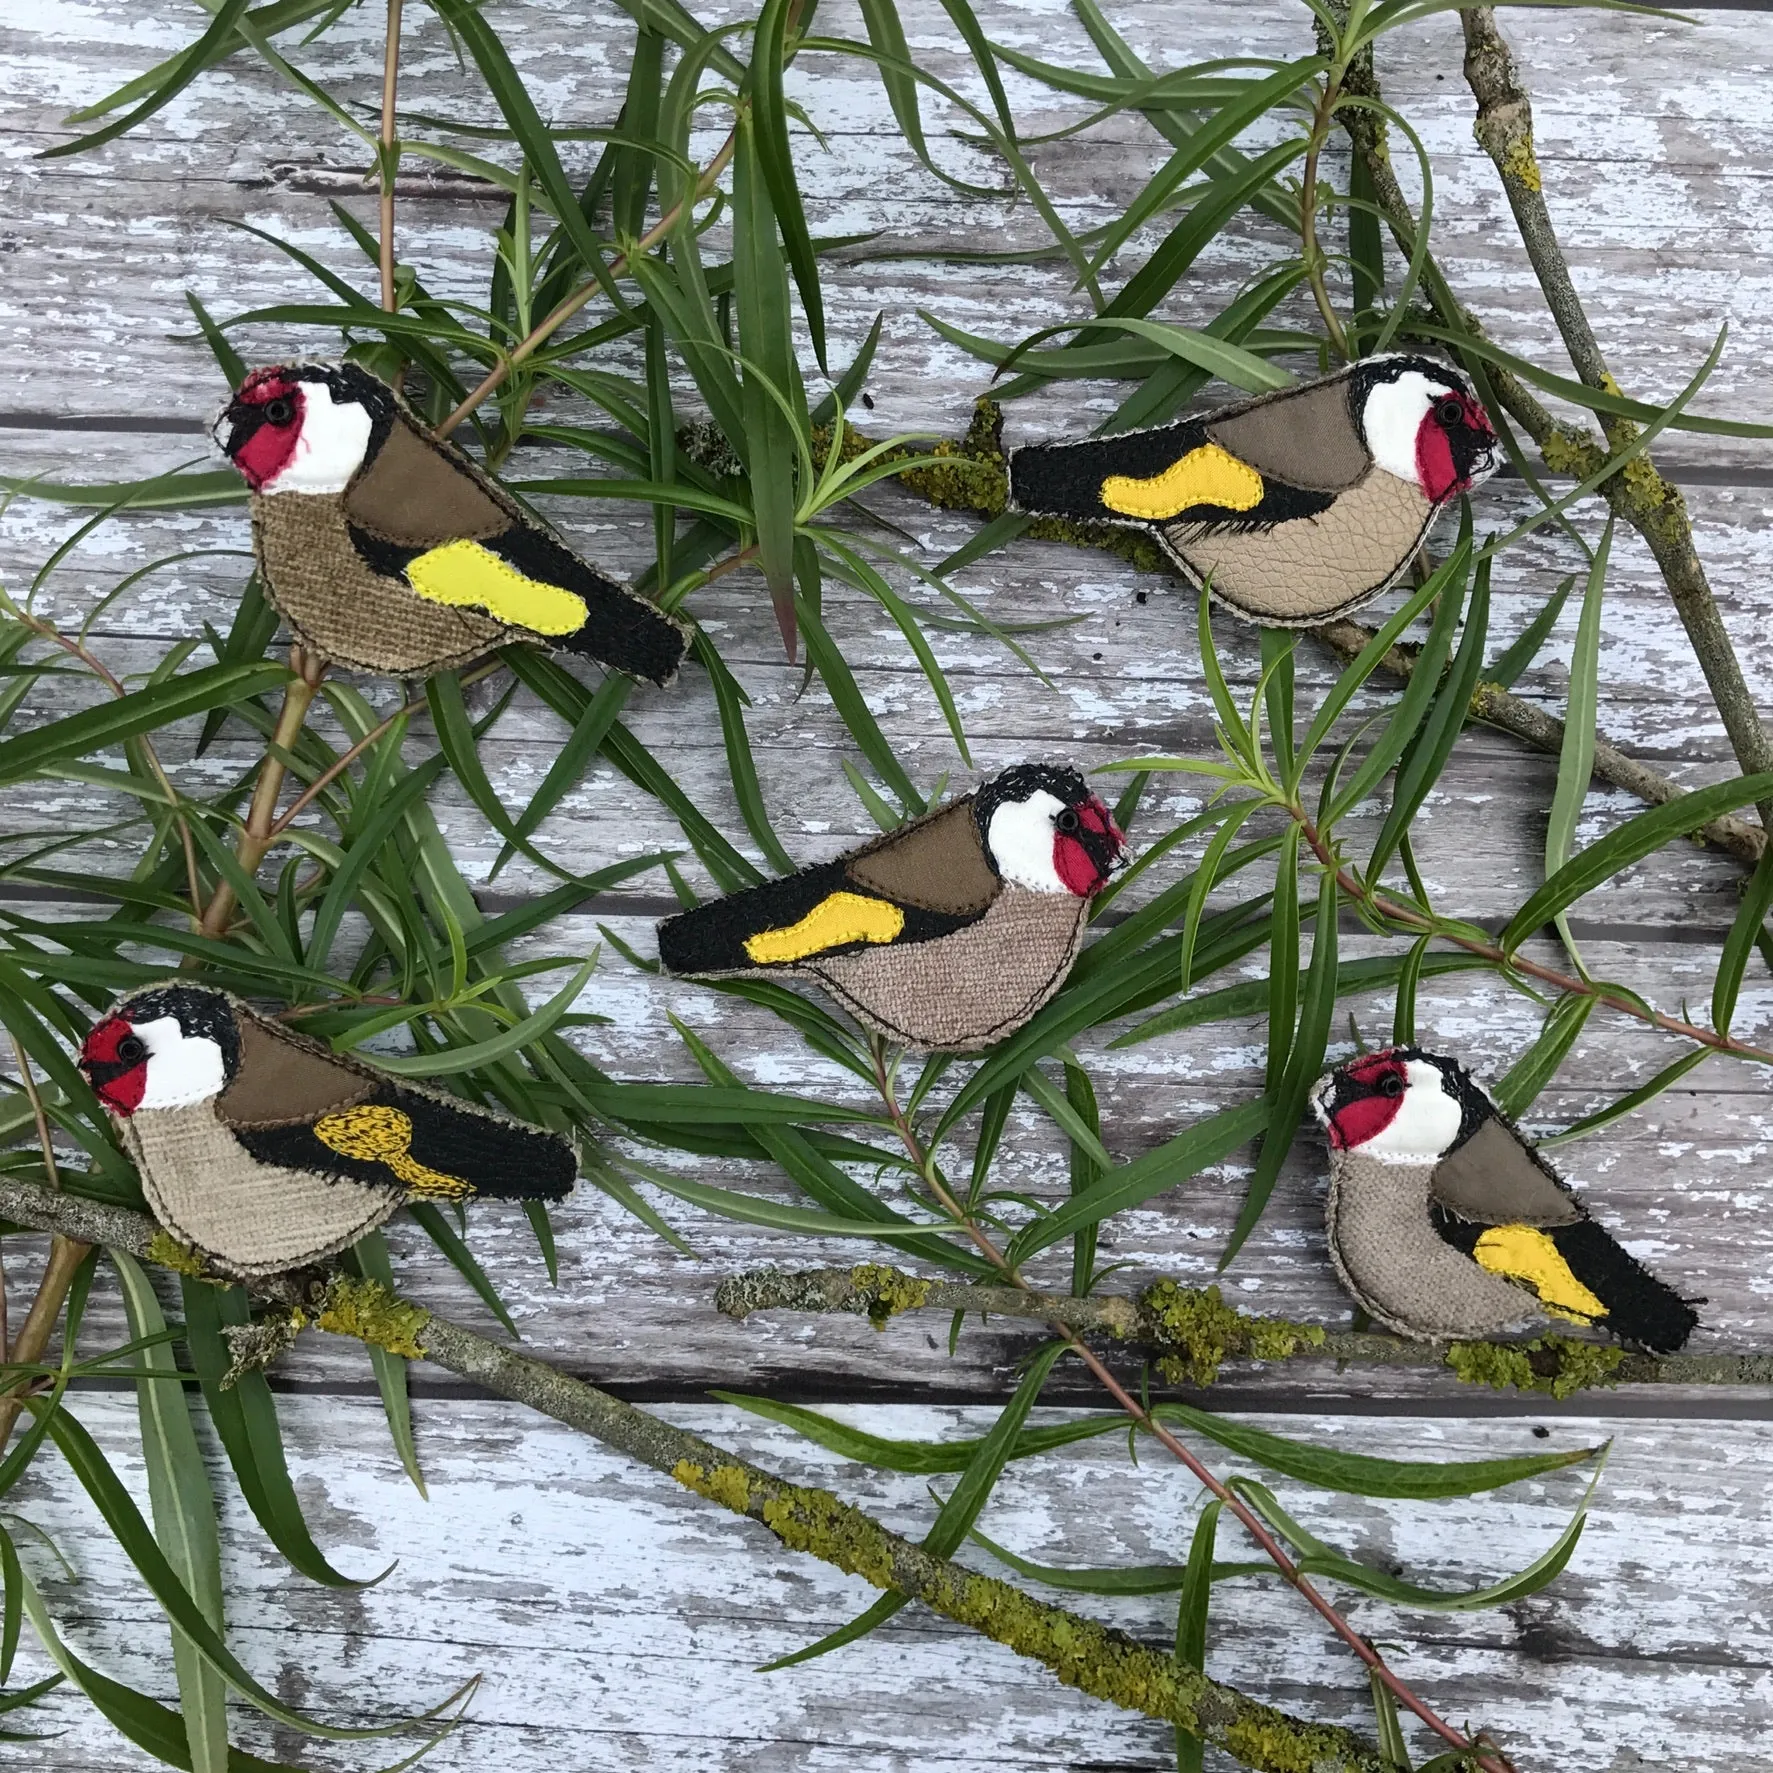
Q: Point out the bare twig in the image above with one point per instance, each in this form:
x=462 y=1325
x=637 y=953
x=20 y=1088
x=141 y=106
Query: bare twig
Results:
x=387 y=159
x=1104 y=1663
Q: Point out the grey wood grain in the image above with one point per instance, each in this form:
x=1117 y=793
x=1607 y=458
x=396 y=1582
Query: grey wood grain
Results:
x=632 y=1642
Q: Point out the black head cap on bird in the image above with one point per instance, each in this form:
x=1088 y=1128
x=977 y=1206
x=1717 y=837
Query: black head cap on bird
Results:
x=305 y=427
x=1043 y=828
x=166 y=1047
x=1420 y=421
x=1401 y=1105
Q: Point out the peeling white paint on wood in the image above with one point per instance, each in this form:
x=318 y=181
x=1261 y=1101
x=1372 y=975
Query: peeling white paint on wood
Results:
x=630 y=1640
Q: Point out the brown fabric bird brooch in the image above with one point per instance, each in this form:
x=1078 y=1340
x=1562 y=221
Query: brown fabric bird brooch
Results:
x=385 y=548
x=1445 y=1222
x=1294 y=508
x=947 y=933
x=267 y=1151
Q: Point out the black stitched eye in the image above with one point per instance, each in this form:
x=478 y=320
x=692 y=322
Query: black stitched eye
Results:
x=1391 y=1085
x=279 y=411
x=131 y=1050
x=1450 y=412
x=1068 y=821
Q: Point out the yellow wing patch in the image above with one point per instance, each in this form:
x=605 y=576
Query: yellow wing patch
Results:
x=464 y=574
x=842 y=918
x=1208 y=475
x=1524 y=1253
x=376 y=1133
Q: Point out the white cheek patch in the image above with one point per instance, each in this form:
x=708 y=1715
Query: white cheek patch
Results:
x=1392 y=417
x=182 y=1069
x=1021 y=842
x=1426 y=1123
x=334 y=439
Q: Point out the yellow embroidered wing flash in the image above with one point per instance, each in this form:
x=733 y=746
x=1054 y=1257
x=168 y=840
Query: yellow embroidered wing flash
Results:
x=466 y=575
x=1524 y=1253
x=832 y=923
x=1207 y=475
x=376 y=1133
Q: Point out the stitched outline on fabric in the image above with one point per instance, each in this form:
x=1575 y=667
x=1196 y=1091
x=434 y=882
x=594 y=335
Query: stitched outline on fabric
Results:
x=454 y=557
x=1209 y=474
x=870 y=920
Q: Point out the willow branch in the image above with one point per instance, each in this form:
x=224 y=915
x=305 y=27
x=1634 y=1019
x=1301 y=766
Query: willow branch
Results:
x=1104 y=1663
x=1193 y=1332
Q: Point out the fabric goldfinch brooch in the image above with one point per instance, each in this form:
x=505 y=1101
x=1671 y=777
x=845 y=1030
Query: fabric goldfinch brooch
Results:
x=947 y=933
x=386 y=549
x=266 y=1151
x=1445 y=1222
x=1294 y=508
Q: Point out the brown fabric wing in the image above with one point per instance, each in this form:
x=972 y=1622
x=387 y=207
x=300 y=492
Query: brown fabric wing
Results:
x=284 y=1077
x=1495 y=1179
x=1307 y=438
x=420 y=495
x=937 y=863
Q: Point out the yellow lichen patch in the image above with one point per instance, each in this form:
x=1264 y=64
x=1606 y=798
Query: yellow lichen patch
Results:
x=1521 y=164
x=465 y=575
x=373 y=1132
x=1208 y=475
x=1197 y=1330
x=367 y=1310
x=1524 y=1253
x=833 y=923
x=887 y=1291
x=729 y=1485
x=1555 y=1365
x=166 y=1250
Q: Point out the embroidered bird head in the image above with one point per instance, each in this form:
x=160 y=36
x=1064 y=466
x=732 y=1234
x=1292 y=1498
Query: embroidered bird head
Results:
x=166 y=1048
x=304 y=427
x=1423 y=424
x=1043 y=828
x=1401 y=1106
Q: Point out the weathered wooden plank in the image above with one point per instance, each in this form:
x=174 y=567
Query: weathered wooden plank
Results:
x=633 y=1642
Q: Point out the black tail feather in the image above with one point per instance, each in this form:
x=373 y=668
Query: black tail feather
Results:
x=501 y=1159
x=1640 y=1308
x=711 y=938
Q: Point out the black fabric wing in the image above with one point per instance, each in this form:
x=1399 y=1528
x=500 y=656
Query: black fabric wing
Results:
x=498 y=1159
x=1065 y=479
x=712 y=937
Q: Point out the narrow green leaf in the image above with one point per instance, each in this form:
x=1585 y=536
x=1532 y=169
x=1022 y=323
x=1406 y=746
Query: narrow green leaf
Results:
x=451 y=1061
x=1757 y=896
x=1403 y=1020
x=1632 y=1099
x=1525 y=649
x=775 y=157
x=143 y=710
x=1388 y=1729
x=1576 y=756
x=245 y=1419
x=1630 y=843
x=184 y=1516
x=1305 y=1061
x=369 y=1256
x=1192 y=1606
x=180 y=73
x=1535 y=1068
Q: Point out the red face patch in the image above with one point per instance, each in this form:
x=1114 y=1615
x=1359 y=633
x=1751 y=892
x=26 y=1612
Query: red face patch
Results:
x=1369 y=1109
x=1084 y=859
x=1438 y=463
x=269 y=409
x=116 y=1065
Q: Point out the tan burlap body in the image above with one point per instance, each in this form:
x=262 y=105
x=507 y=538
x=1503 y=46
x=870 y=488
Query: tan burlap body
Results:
x=249 y=1218
x=1393 y=1261
x=338 y=608
x=962 y=992
x=1310 y=569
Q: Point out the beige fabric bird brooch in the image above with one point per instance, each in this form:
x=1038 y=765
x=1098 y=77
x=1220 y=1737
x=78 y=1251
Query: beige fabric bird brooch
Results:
x=1294 y=508
x=947 y=933
x=267 y=1151
x=1444 y=1221
x=385 y=548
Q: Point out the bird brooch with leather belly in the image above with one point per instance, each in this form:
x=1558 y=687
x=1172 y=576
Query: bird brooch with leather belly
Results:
x=1444 y=1221
x=267 y=1151
x=947 y=933
x=1293 y=508
x=386 y=549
